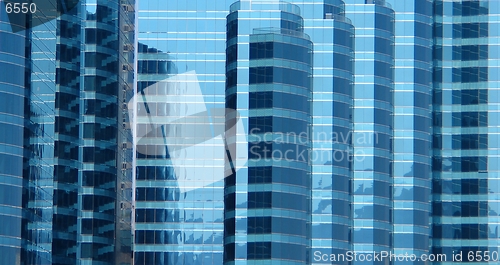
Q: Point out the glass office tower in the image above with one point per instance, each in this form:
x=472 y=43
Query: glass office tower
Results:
x=373 y=125
x=13 y=188
x=107 y=70
x=268 y=80
x=331 y=157
x=54 y=137
x=73 y=83
x=361 y=119
x=412 y=127
x=79 y=74
x=466 y=138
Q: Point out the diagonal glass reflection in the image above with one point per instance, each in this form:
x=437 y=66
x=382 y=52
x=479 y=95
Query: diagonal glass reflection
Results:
x=174 y=125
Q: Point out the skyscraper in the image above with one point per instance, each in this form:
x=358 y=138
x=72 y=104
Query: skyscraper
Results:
x=465 y=143
x=249 y=132
x=268 y=73
x=53 y=164
x=375 y=93
x=12 y=113
x=75 y=75
x=373 y=125
x=332 y=125
x=412 y=127
x=104 y=177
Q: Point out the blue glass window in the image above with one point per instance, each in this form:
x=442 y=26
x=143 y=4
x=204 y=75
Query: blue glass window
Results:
x=383 y=70
x=425 y=7
x=259 y=100
x=343 y=62
x=258 y=250
x=232 y=29
x=471 y=8
x=423 y=30
x=474 y=52
x=260 y=124
x=343 y=86
x=470 y=96
x=231 y=78
x=474 y=30
x=259 y=225
x=423 y=54
x=343 y=38
x=229 y=252
x=473 y=164
x=473 y=119
x=231 y=101
x=231 y=54
x=229 y=226
x=470 y=141
x=383 y=22
x=259 y=75
x=258 y=200
x=230 y=201
x=474 y=74
x=266 y=50
x=288 y=226
x=261 y=50
x=260 y=175
x=423 y=77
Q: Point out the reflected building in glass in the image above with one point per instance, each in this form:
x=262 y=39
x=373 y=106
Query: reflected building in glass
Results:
x=74 y=71
x=179 y=167
x=370 y=89
x=366 y=125
x=155 y=184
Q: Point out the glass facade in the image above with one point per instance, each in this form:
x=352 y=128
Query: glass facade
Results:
x=268 y=81
x=106 y=64
x=124 y=159
x=12 y=112
x=72 y=81
x=249 y=132
x=373 y=125
x=375 y=92
x=56 y=110
x=412 y=127
x=179 y=197
x=331 y=157
x=465 y=143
